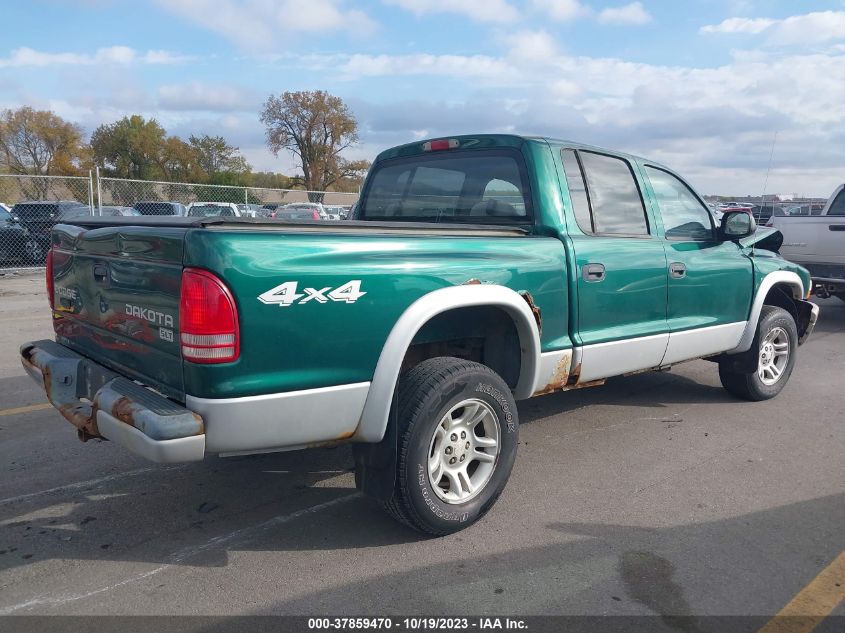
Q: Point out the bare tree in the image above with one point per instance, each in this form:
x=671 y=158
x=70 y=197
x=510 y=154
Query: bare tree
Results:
x=315 y=127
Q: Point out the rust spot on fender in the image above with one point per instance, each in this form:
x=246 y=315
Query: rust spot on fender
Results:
x=472 y=282
x=564 y=380
x=559 y=377
x=538 y=315
x=345 y=435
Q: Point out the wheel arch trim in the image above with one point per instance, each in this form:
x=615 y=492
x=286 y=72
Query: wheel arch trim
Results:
x=376 y=411
x=785 y=277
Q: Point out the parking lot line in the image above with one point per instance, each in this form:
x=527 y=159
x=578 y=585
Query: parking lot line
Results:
x=813 y=603
x=26 y=409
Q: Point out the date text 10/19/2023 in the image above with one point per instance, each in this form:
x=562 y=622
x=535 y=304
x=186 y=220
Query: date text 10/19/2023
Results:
x=417 y=624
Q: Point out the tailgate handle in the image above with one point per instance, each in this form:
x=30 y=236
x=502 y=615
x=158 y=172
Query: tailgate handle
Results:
x=101 y=271
x=837 y=227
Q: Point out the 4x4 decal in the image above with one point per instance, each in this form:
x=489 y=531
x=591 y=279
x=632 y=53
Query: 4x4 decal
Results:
x=287 y=294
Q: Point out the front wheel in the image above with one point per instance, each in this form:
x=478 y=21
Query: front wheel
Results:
x=458 y=433
x=775 y=345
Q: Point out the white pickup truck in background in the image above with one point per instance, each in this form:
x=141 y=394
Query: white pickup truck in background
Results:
x=817 y=242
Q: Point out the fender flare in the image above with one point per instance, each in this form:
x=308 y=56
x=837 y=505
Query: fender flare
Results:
x=376 y=411
x=769 y=281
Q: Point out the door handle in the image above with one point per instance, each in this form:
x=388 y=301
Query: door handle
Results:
x=677 y=270
x=593 y=272
x=836 y=227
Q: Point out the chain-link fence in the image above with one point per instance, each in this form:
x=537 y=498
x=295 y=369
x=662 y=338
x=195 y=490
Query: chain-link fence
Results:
x=30 y=206
x=178 y=198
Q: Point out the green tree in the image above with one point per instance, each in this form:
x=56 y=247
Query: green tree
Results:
x=221 y=162
x=40 y=142
x=315 y=127
x=179 y=162
x=272 y=180
x=130 y=148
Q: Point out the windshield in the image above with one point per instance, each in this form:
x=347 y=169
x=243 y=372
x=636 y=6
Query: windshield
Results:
x=5 y=216
x=475 y=187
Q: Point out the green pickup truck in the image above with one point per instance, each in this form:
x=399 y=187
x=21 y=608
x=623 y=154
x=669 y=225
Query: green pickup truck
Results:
x=477 y=271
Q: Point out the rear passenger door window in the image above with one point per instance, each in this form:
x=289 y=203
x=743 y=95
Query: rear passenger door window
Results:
x=605 y=195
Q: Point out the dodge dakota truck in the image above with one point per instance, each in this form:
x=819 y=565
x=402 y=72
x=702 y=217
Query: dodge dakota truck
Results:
x=478 y=271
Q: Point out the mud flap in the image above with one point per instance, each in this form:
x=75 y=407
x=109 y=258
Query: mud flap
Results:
x=375 y=464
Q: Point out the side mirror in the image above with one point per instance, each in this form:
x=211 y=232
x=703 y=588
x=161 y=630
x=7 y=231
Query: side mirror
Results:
x=736 y=225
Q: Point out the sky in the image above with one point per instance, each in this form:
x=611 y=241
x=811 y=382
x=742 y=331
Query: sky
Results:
x=724 y=91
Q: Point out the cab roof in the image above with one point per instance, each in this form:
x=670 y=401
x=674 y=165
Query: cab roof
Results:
x=487 y=141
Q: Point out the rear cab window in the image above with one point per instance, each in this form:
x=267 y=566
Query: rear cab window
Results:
x=476 y=186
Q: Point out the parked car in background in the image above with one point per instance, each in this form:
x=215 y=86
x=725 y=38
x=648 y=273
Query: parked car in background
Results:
x=146 y=207
x=13 y=239
x=38 y=218
x=268 y=209
x=114 y=211
x=213 y=209
x=249 y=210
x=299 y=212
x=817 y=242
x=318 y=212
x=336 y=211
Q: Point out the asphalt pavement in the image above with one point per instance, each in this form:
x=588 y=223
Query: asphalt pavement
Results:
x=654 y=494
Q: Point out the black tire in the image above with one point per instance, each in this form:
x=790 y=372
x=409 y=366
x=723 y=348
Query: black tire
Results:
x=750 y=386
x=34 y=252
x=426 y=395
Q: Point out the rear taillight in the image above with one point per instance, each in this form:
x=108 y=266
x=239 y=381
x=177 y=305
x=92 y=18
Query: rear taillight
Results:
x=208 y=319
x=49 y=274
x=315 y=215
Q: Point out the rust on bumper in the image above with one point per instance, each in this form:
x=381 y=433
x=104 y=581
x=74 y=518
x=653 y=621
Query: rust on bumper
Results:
x=89 y=396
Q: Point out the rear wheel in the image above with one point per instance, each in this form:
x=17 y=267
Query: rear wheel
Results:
x=458 y=432
x=774 y=347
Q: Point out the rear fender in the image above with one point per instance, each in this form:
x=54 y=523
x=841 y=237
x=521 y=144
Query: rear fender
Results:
x=376 y=411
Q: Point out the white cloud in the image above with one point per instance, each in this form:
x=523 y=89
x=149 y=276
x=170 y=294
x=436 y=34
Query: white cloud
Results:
x=266 y=24
x=630 y=14
x=752 y=26
x=461 y=66
x=532 y=45
x=196 y=96
x=809 y=28
x=479 y=10
x=113 y=55
x=821 y=26
x=713 y=124
x=562 y=10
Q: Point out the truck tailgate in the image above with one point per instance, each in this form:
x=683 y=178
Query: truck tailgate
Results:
x=116 y=293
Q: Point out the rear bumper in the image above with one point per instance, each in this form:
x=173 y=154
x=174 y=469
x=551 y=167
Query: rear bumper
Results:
x=100 y=403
